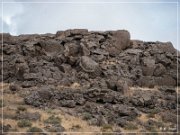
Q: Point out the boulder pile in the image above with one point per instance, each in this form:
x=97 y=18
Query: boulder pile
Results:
x=82 y=56
x=91 y=72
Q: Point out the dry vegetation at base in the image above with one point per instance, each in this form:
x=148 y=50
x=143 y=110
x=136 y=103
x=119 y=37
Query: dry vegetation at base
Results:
x=14 y=104
x=14 y=101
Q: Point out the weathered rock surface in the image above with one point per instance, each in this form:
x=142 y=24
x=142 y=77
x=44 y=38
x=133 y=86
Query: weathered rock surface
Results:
x=41 y=58
x=103 y=64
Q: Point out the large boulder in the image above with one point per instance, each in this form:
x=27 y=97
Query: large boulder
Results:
x=165 y=81
x=69 y=98
x=50 y=47
x=120 y=41
x=67 y=33
x=159 y=70
x=90 y=66
x=143 y=99
x=71 y=49
x=122 y=86
x=124 y=111
x=166 y=47
x=146 y=81
x=148 y=66
x=40 y=97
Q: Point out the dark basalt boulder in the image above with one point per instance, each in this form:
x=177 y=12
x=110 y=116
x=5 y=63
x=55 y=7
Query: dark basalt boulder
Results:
x=90 y=66
x=166 y=47
x=40 y=97
x=165 y=80
x=147 y=81
x=120 y=41
x=49 y=47
x=159 y=70
x=148 y=66
x=143 y=99
x=71 y=32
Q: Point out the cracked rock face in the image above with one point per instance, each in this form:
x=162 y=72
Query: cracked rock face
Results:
x=88 y=65
x=91 y=72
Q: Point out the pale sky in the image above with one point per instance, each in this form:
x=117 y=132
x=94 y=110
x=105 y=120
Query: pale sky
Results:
x=156 y=21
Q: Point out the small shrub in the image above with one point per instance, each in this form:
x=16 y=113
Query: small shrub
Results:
x=76 y=126
x=150 y=128
x=159 y=124
x=153 y=131
x=1 y=103
x=107 y=128
x=153 y=112
x=21 y=108
x=34 y=129
x=169 y=117
x=49 y=111
x=17 y=111
x=53 y=120
x=150 y=115
x=24 y=123
x=87 y=116
x=130 y=126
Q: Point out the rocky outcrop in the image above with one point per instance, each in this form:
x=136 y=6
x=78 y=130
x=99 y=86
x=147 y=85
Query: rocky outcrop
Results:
x=50 y=58
x=103 y=64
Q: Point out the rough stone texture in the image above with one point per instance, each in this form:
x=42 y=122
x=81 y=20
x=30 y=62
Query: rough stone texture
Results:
x=103 y=65
x=49 y=58
x=159 y=70
x=120 y=41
